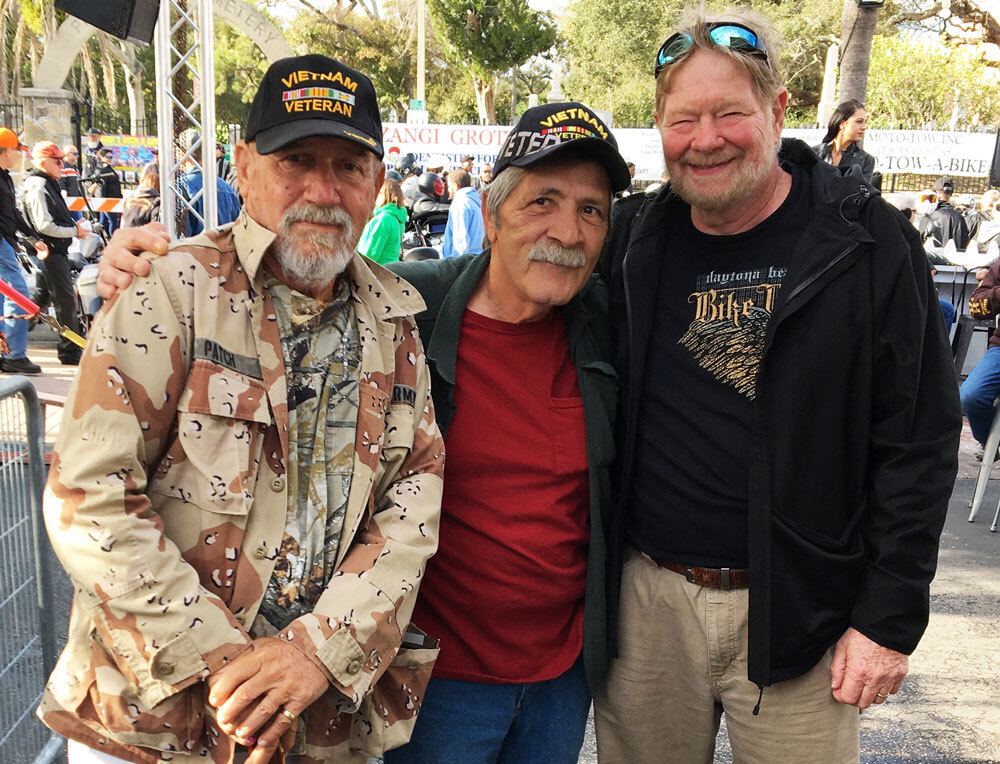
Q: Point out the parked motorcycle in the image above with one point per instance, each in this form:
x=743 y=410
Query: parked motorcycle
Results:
x=425 y=229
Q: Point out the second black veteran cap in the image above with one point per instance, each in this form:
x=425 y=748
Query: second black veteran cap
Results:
x=545 y=130
x=314 y=95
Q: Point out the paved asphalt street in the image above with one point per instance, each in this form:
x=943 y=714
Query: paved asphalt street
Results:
x=948 y=711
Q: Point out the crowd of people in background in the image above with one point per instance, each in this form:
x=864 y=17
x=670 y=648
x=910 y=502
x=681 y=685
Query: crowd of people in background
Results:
x=664 y=496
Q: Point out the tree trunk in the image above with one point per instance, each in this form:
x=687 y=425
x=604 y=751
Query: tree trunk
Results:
x=513 y=95
x=4 y=69
x=133 y=89
x=484 y=100
x=108 y=71
x=857 y=30
x=33 y=57
x=15 y=58
x=88 y=70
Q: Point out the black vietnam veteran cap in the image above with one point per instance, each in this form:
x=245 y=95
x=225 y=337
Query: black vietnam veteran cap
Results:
x=545 y=130
x=314 y=95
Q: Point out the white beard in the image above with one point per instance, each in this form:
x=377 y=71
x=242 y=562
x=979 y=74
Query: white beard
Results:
x=318 y=258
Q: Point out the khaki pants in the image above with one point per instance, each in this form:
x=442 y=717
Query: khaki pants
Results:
x=683 y=662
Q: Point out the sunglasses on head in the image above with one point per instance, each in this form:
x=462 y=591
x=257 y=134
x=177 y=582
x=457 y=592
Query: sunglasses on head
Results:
x=724 y=34
x=929 y=197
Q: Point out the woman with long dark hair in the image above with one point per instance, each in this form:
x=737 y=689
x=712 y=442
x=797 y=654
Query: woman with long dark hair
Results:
x=841 y=145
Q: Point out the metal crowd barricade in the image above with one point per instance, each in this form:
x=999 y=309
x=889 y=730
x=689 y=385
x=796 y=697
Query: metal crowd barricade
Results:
x=27 y=634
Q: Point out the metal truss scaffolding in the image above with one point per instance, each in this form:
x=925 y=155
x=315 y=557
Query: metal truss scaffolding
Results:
x=190 y=21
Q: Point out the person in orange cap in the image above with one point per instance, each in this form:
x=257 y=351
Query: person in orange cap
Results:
x=47 y=212
x=14 y=359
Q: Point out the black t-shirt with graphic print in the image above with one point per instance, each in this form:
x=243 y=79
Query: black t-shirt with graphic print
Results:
x=716 y=294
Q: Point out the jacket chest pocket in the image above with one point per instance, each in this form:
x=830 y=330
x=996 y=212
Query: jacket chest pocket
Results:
x=212 y=461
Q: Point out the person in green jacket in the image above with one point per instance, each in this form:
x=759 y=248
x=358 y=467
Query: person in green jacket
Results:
x=383 y=235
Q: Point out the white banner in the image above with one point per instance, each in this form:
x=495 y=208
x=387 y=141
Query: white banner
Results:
x=895 y=151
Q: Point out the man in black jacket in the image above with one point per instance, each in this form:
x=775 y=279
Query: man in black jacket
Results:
x=790 y=426
x=947 y=223
x=46 y=209
x=108 y=186
x=15 y=330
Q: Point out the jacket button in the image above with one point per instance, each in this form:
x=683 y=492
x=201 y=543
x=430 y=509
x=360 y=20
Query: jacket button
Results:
x=353 y=667
x=260 y=552
x=163 y=669
x=413 y=665
x=278 y=484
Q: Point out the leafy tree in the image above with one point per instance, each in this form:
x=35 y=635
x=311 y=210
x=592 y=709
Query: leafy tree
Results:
x=239 y=68
x=914 y=83
x=487 y=38
x=611 y=46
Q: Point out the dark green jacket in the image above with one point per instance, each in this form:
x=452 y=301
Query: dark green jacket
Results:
x=447 y=287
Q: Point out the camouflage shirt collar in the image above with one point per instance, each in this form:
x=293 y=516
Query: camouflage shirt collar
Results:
x=251 y=240
x=385 y=293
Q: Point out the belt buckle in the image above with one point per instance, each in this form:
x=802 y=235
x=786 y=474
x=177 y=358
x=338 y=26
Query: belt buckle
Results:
x=689 y=574
x=726 y=583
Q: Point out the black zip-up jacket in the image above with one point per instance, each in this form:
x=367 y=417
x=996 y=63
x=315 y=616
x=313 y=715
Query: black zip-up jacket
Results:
x=57 y=209
x=11 y=220
x=854 y=432
x=948 y=223
x=447 y=286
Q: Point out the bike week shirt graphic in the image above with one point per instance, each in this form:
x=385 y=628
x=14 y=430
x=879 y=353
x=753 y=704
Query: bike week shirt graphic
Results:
x=715 y=299
x=731 y=311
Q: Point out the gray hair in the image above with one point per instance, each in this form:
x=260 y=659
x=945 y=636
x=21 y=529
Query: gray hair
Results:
x=498 y=189
x=765 y=75
x=510 y=177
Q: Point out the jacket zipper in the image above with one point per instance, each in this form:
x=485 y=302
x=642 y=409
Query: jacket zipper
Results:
x=798 y=289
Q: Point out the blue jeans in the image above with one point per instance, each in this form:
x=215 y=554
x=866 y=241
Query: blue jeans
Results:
x=947 y=311
x=110 y=221
x=979 y=391
x=479 y=723
x=16 y=331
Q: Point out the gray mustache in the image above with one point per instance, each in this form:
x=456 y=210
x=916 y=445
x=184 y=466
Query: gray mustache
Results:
x=313 y=213
x=549 y=252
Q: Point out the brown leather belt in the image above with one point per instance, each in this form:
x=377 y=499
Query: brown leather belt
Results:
x=712 y=578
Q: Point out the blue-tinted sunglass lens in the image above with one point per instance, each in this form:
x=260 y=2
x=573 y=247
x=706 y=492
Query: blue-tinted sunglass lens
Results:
x=734 y=37
x=674 y=48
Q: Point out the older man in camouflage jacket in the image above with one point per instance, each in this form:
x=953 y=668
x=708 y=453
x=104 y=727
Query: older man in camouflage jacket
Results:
x=247 y=482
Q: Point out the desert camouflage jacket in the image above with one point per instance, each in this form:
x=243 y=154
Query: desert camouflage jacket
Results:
x=167 y=499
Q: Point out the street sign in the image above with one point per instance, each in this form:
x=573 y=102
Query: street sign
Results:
x=416 y=105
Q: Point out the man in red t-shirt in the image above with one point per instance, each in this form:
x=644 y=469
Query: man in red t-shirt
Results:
x=517 y=344
x=517 y=349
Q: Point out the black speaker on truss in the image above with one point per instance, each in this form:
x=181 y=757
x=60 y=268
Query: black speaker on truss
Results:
x=131 y=20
